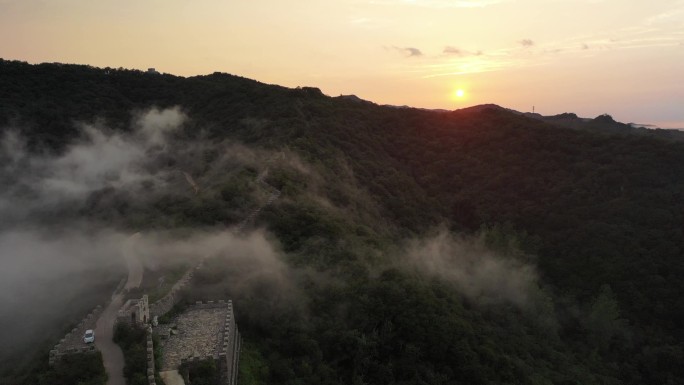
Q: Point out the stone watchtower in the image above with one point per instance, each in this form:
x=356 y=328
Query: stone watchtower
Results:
x=135 y=312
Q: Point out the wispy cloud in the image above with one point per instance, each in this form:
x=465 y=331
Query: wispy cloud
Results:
x=655 y=30
x=526 y=42
x=463 y=65
x=101 y=160
x=638 y=36
x=468 y=66
x=527 y=52
x=473 y=270
x=408 y=51
x=451 y=50
x=671 y=15
x=413 y=51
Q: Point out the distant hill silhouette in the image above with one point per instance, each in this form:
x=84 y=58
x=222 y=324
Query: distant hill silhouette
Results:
x=607 y=125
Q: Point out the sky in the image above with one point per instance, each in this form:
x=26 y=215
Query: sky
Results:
x=621 y=57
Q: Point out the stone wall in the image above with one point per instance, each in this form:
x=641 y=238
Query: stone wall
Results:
x=166 y=303
x=135 y=312
x=227 y=355
x=232 y=374
x=274 y=195
x=150 y=358
x=121 y=285
x=229 y=351
x=73 y=340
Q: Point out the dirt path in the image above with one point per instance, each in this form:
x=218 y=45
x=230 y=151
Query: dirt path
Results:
x=104 y=329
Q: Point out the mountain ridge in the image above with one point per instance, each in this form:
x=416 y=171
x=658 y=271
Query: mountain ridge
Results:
x=594 y=216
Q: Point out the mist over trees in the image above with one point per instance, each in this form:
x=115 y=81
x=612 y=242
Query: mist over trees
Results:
x=408 y=246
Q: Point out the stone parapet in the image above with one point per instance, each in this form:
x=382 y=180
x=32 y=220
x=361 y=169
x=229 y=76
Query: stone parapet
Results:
x=135 y=312
x=206 y=320
x=166 y=303
x=72 y=341
x=211 y=305
x=150 y=358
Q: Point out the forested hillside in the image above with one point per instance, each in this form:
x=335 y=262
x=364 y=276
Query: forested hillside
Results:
x=573 y=238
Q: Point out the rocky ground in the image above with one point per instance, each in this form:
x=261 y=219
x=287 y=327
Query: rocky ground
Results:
x=197 y=332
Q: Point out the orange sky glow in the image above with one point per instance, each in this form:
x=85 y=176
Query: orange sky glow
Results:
x=622 y=57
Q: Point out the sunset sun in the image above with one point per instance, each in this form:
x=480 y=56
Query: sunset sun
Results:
x=458 y=95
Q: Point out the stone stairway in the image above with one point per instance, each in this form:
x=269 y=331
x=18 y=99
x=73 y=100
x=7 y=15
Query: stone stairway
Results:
x=274 y=195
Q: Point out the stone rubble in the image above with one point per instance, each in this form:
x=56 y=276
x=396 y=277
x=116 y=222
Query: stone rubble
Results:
x=199 y=333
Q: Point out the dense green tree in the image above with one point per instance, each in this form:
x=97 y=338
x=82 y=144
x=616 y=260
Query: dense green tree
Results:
x=597 y=211
x=79 y=369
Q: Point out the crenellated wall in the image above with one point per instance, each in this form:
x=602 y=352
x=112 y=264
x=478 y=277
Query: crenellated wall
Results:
x=150 y=358
x=229 y=348
x=227 y=353
x=166 y=303
x=275 y=193
x=134 y=312
x=73 y=340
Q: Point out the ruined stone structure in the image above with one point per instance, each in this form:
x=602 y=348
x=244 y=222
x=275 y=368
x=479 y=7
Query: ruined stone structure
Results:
x=73 y=340
x=135 y=312
x=205 y=331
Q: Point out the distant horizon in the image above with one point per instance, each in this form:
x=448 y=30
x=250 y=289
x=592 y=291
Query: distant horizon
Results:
x=622 y=57
x=676 y=125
